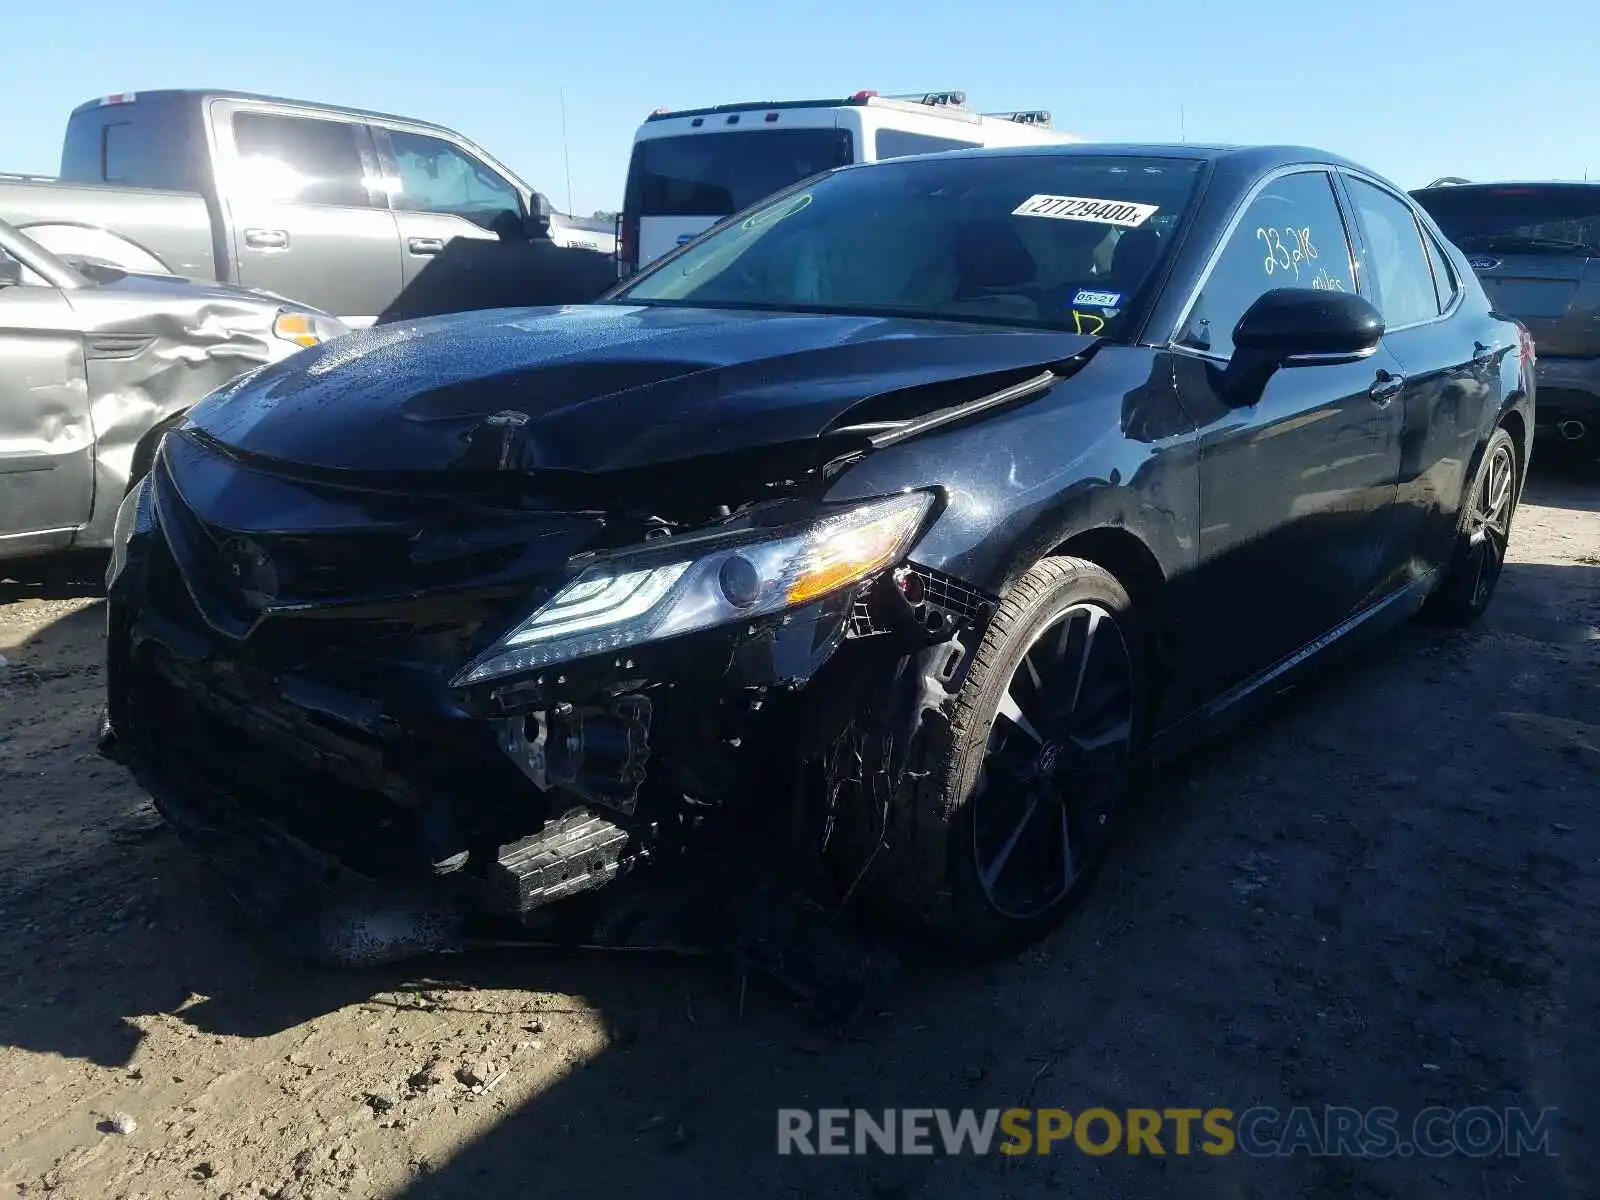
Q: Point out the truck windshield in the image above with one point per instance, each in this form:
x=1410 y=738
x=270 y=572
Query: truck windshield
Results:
x=1559 y=220
x=1057 y=241
x=714 y=174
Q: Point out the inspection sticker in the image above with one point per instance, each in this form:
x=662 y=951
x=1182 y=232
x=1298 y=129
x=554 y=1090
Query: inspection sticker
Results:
x=1086 y=208
x=1089 y=299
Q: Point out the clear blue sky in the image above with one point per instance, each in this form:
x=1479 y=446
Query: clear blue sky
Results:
x=1412 y=88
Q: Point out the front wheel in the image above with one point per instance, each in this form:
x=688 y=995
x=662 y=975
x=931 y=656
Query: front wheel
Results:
x=1005 y=813
x=1483 y=536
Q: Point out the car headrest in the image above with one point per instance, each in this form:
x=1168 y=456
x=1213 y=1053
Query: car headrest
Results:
x=990 y=254
x=1137 y=251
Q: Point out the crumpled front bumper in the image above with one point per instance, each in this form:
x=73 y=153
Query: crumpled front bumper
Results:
x=315 y=795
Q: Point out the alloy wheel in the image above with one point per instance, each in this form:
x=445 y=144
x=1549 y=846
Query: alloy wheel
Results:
x=1056 y=762
x=1489 y=523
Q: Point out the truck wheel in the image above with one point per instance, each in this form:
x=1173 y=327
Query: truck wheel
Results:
x=1004 y=816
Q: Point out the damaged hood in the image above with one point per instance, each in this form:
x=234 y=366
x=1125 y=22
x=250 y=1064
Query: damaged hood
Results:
x=606 y=388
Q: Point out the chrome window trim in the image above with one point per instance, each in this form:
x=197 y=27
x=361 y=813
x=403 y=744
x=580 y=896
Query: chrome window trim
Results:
x=1326 y=170
x=1422 y=232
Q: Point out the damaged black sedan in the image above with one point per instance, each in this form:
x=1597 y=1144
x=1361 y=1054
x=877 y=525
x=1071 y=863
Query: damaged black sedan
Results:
x=916 y=508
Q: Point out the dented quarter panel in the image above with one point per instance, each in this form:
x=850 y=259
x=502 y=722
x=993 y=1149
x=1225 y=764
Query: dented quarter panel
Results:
x=1109 y=448
x=152 y=352
x=89 y=372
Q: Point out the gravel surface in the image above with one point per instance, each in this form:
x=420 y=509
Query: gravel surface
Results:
x=1386 y=894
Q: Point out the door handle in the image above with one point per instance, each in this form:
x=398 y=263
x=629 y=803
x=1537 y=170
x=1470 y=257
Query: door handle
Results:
x=425 y=245
x=267 y=239
x=1386 y=387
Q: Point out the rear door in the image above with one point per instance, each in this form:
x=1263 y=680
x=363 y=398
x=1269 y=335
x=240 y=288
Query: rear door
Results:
x=46 y=440
x=1536 y=247
x=1449 y=357
x=306 y=209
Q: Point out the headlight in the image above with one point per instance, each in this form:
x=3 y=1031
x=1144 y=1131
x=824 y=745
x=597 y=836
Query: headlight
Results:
x=645 y=597
x=307 y=329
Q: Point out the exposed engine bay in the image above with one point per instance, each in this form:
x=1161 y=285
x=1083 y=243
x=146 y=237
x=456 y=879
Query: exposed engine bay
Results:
x=374 y=782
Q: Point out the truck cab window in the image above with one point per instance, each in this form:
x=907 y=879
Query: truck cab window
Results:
x=436 y=176
x=299 y=160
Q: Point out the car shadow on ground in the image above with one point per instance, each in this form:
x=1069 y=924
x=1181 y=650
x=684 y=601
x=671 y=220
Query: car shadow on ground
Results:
x=1286 y=920
x=1562 y=481
x=71 y=576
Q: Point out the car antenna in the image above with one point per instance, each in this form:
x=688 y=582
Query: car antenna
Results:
x=566 y=154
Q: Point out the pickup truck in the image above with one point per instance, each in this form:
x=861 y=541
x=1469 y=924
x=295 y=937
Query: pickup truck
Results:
x=361 y=214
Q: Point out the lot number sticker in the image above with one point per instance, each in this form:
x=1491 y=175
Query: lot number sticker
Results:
x=1086 y=208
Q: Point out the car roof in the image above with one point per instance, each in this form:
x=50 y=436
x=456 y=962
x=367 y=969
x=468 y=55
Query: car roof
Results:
x=170 y=95
x=1242 y=162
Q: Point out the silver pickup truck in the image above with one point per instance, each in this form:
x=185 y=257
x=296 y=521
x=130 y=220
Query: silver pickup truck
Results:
x=368 y=216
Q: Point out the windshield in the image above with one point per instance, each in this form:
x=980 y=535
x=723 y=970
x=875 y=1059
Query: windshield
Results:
x=1062 y=241
x=714 y=174
x=1518 y=220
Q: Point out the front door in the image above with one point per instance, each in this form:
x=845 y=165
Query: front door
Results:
x=46 y=440
x=1295 y=489
x=306 y=211
x=453 y=212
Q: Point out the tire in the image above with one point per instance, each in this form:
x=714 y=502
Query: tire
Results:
x=1483 y=536
x=934 y=865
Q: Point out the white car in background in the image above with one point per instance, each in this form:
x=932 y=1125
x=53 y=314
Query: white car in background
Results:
x=693 y=167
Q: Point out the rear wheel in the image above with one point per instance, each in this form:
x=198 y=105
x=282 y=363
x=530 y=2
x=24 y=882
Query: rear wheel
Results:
x=1483 y=537
x=1005 y=816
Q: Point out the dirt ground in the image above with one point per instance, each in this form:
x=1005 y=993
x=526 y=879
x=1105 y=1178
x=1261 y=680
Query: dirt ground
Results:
x=1387 y=894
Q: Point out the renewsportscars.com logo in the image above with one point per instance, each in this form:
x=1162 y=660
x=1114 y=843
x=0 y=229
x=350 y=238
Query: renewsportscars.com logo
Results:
x=1259 y=1132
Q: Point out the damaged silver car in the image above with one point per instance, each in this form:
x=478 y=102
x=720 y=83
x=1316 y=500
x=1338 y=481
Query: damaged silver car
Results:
x=96 y=364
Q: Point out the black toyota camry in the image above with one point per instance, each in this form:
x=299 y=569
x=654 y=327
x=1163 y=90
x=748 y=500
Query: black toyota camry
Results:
x=924 y=503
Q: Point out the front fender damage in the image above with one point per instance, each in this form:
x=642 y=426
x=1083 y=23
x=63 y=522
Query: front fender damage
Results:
x=150 y=360
x=716 y=759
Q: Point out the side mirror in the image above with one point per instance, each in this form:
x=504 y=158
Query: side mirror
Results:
x=1297 y=327
x=537 y=223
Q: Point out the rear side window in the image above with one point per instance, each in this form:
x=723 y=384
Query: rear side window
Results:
x=1445 y=285
x=1291 y=236
x=715 y=174
x=1396 y=259
x=897 y=143
x=300 y=160
x=436 y=176
x=1560 y=221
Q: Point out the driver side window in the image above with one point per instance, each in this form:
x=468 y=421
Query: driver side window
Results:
x=436 y=176
x=1292 y=235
